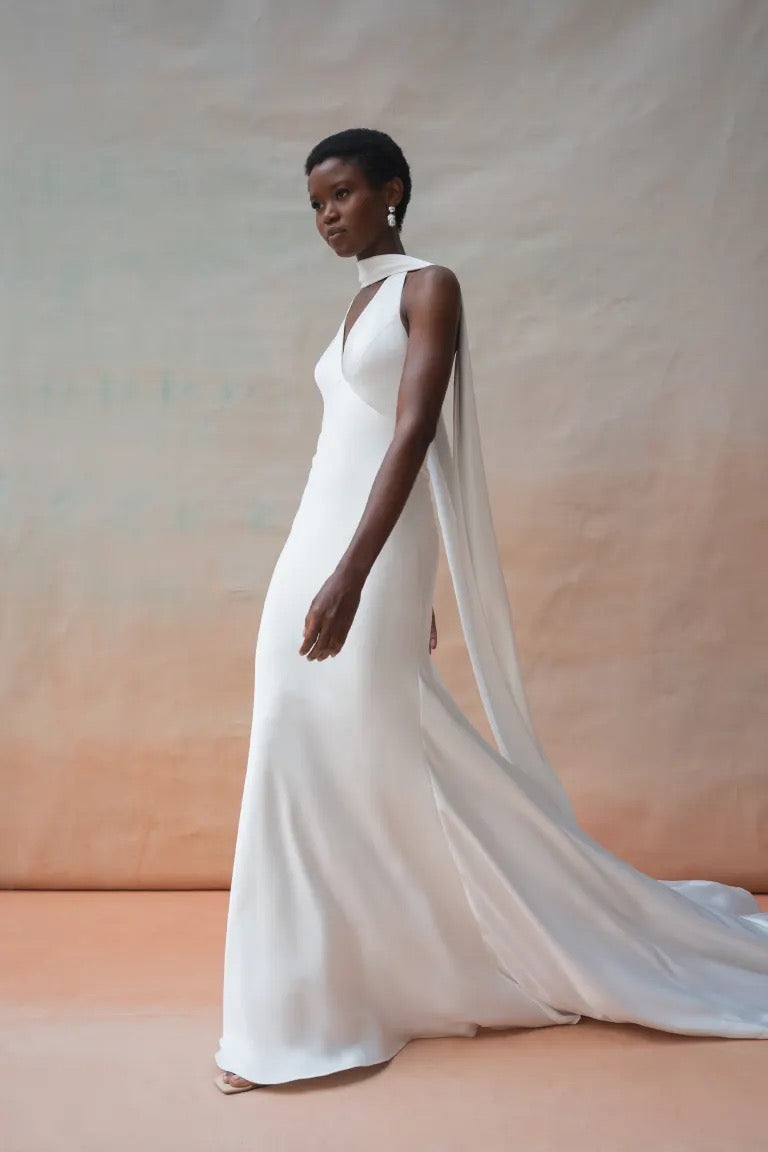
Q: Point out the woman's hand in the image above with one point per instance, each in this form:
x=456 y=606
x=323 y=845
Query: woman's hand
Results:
x=433 y=634
x=330 y=615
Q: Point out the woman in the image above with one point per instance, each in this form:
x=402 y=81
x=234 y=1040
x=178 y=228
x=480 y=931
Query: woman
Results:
x=395 y=876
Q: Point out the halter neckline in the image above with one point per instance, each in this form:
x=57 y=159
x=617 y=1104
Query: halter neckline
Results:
x=374 y=268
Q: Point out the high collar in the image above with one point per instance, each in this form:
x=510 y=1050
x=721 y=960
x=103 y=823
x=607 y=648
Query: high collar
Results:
x=374 y=268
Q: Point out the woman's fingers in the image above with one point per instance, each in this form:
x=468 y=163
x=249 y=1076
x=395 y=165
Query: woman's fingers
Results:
x=326 y=626
x=321 y=639
x=328 y=644
x=317 y=630
x=311 y=633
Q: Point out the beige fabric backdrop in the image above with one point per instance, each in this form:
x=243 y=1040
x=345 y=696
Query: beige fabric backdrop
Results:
x=596 y=174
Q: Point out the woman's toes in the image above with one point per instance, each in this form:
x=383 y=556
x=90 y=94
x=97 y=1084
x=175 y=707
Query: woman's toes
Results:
x=236 y=1081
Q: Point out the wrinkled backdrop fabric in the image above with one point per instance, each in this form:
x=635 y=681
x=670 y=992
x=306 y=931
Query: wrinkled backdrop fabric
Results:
x=598 y=182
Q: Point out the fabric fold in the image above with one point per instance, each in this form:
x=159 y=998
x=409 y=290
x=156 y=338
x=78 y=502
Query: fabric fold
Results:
x=459 y=485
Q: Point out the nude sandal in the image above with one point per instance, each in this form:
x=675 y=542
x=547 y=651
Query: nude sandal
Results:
x=223 y=1086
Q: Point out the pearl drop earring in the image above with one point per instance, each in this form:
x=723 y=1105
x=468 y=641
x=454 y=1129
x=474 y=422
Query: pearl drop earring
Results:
x=391 y=218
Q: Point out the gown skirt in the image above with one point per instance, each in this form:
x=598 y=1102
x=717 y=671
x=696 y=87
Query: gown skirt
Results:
x=395 y=875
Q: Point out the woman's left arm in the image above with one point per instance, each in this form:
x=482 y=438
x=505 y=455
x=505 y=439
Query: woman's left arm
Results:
x=432 y=301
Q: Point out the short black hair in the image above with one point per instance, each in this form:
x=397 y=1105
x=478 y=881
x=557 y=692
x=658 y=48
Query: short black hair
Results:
x=375 y=152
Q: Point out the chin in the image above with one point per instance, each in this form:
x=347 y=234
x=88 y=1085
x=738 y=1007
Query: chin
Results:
x=346 y=246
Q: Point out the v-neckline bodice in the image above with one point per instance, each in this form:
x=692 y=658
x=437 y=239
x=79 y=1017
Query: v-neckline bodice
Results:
x=371 y=269
x=346 y=335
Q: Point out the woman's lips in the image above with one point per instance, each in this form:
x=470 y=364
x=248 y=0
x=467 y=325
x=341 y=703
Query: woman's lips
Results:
x=335 y=235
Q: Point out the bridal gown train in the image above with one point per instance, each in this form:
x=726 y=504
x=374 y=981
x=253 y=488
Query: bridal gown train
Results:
x=395 y=876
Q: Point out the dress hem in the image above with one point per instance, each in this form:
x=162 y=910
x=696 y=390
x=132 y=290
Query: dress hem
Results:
x=322 y=1069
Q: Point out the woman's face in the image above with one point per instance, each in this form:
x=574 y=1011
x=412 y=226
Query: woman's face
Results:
x=350 y=215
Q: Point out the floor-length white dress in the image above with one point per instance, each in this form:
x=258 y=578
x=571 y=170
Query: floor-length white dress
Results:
x=395 y=876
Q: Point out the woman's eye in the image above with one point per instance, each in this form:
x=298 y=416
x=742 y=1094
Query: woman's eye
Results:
x=343 y=192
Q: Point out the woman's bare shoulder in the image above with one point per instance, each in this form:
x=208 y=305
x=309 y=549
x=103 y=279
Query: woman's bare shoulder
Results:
x=435 y=273
x=434 y=283
x=431 y=304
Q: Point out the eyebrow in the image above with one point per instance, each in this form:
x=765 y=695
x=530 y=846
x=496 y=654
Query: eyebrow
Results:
x=342 y=180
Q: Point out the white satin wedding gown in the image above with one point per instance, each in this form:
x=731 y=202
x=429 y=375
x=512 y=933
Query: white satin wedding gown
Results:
x=395 y=876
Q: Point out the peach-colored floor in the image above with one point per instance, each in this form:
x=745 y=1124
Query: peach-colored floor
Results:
x=109 y=1017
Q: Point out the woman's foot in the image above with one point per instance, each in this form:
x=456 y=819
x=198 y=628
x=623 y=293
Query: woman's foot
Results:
x=230 y=1082
x=237 y=1081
